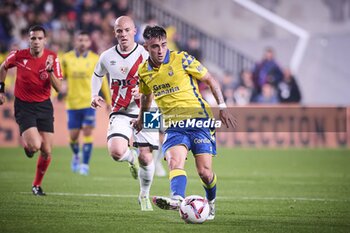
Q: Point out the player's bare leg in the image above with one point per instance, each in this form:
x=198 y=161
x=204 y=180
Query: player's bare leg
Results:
x=43 y=162
x=208 y=178
x=32 y=141
x=119 y=150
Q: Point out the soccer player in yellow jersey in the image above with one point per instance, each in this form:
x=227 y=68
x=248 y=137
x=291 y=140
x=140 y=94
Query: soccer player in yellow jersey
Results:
x=78 y=66
x=171 y=77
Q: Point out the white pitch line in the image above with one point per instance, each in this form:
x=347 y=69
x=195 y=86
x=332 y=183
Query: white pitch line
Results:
x=219 y=197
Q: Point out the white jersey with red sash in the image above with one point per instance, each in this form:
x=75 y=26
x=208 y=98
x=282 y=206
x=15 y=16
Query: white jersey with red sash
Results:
x=122 y=71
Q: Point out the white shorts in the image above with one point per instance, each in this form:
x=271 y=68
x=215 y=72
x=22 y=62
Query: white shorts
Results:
x=119 y=126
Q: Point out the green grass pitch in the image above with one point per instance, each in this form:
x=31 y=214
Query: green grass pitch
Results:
x=269 y=190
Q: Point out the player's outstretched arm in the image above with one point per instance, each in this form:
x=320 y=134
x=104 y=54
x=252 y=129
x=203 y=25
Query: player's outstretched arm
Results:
x=3 y=73
x=225 y=115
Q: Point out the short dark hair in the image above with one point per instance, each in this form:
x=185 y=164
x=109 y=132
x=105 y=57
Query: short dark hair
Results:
x=154 y=32
x=82 y=32
x=37 y=28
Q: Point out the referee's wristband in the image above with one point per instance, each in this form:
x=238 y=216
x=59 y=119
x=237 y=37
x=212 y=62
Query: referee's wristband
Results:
x=2 y=87
x=222 y=106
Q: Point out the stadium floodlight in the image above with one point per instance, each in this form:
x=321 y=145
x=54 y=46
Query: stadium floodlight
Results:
x=287 y=25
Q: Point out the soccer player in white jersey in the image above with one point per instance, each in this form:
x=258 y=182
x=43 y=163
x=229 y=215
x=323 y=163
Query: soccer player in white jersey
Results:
x=121 y=63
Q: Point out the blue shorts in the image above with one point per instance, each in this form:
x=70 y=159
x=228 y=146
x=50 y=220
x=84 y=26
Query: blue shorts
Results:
x=81 y=117
x=198 y=140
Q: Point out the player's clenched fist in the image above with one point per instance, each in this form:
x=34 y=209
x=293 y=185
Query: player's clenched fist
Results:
x=97 y=102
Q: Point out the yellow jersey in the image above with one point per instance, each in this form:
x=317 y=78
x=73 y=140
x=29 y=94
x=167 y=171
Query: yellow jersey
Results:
x=175 y=88
x=77 y=70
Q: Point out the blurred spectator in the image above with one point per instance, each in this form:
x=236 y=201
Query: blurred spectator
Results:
x=151 y=20
x=18 y=22
x=245 y=92
x=6 y=8
x=267 y=71
x=108 y=23
x=85 y=23
x=173 y=38
x=229 y=97
x=22 y=40
x=121 y=7
x=268 y=95
x=63 y=38
x=193 y=47
x=288 y=89
x=87 y=6
x=96 y=20
x=228 y=81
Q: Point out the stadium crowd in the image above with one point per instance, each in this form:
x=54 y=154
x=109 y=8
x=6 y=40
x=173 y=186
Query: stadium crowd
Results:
x=266 y=83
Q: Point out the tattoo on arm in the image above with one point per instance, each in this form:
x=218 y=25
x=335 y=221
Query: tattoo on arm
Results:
x=216 y=90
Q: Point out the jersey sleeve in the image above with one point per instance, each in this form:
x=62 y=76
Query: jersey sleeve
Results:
x=192 y=66
x=57 y=67
x=106 y=91
x=97 y=77
x=100 y=69
x=11 y=60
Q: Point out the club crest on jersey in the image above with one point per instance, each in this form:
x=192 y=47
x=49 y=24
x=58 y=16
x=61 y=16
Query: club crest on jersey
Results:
x=124 y=70
x=43 y=75
x=170 y=72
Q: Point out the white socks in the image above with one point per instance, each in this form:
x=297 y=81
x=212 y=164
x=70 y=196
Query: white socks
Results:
x=146 y=177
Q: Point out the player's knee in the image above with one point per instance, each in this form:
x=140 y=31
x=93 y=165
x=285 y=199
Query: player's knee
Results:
x=145 y=159
x=117 y=153
x=145 y=156
x=33 y=146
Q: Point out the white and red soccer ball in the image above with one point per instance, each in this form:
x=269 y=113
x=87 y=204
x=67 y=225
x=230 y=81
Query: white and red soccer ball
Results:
x=194 y=209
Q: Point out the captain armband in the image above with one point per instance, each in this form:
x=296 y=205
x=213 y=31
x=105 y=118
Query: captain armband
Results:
x=2 y=87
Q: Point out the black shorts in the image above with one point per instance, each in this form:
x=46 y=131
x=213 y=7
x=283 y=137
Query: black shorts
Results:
x=36 y=114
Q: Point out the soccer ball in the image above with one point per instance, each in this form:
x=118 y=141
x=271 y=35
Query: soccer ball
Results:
x=194 y=209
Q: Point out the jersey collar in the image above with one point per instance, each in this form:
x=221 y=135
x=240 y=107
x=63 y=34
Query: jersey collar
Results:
x=166 y=60
x=77 y=54
x=125 y=54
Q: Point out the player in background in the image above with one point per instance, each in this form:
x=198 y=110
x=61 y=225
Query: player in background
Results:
x=78 y=65
x=37 y=70
x=172 y=78
x=121 y=63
